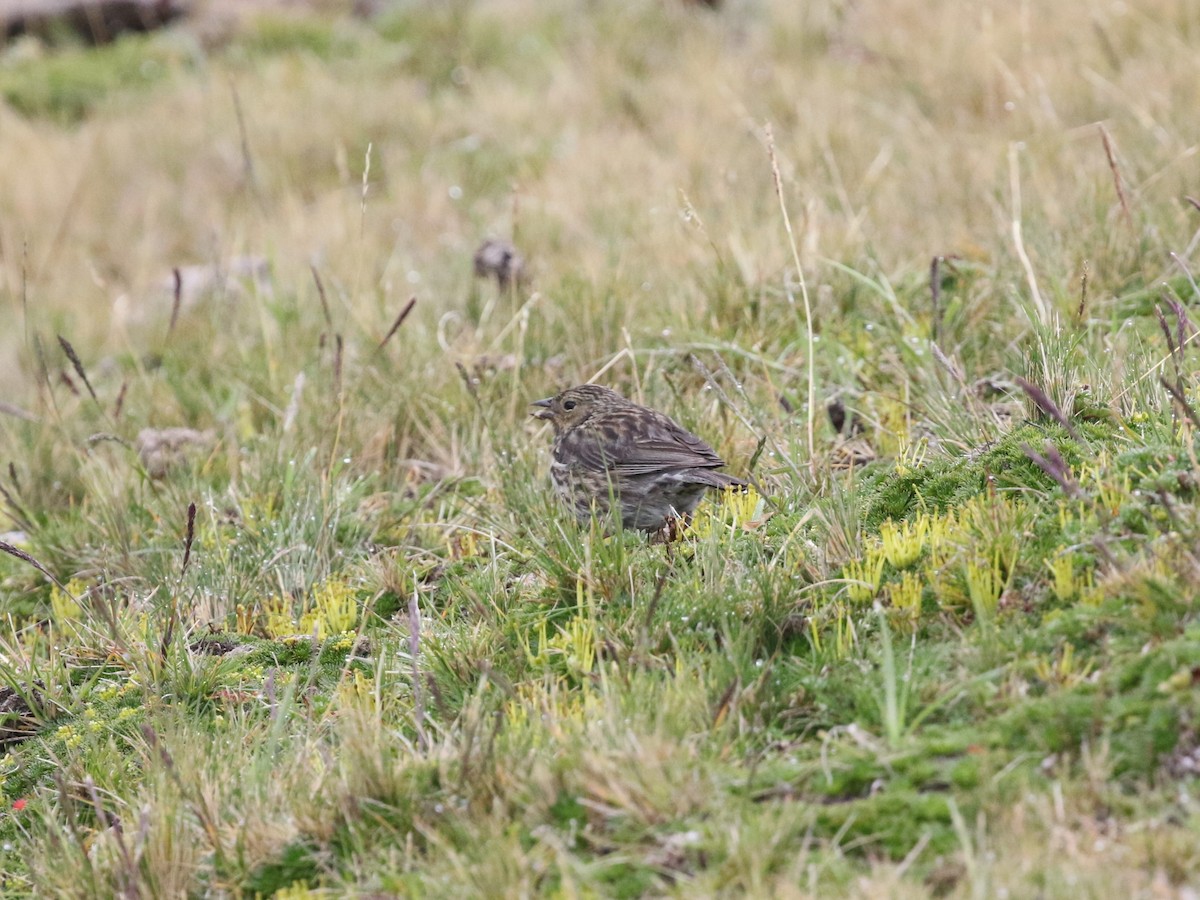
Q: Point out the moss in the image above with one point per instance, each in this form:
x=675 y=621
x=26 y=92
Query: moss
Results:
x=944 y=482
x=68 y=85
x=625 y=879
x=446 y=43
x=1142 y=301
x=1139 y=709
x=275 y=35
x=892 y=821
x=296 y=864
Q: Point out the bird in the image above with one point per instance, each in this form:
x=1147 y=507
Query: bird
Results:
x=608 y=448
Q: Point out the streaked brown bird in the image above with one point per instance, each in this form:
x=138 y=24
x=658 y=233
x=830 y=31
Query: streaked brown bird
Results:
x=607 y=447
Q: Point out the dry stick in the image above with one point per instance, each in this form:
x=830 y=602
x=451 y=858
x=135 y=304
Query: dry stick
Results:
x=1014 y=182
x=173 y=617
x=176 y=299
x=39 y=354
x=337 y=364
x=187 y=542
x=78 y=365
x=935 y=291
x=1083 y=286
x=408 y=307
x=1106 y=139
x=120 y=400
x=321 y=294
x=25 y=289
x=243 y=137
x=414 y=649
x=1192 y=200
x=808 y=326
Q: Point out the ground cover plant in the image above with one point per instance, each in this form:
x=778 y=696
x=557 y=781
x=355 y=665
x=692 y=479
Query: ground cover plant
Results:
x=290 y=609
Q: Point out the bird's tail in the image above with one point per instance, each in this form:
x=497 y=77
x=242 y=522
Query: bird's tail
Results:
x=716 y=479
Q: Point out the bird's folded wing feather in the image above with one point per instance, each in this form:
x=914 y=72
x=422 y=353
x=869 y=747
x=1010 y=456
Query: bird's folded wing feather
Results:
x=655 y=455
x=640 y=454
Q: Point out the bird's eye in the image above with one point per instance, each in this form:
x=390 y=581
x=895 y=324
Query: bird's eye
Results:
x=569 y=404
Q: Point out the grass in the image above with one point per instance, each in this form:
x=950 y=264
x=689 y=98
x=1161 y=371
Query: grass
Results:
x=948 y=647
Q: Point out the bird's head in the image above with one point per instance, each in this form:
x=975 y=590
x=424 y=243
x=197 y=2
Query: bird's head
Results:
x=566 y=410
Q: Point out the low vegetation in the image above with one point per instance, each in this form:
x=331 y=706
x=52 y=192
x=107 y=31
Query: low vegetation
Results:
x=290 y=608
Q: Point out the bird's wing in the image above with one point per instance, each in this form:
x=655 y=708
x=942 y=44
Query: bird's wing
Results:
x=682 y=451
x=638 y=445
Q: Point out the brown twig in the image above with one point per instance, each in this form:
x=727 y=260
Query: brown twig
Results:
x=408 y=307
x=1116 y=174
x=1083 y=297
x=321 y=294
x=77 y=364
x=337 y=364
x=247 y=159
x=935 y=293
x=176 y=300
x=1043 y=402
x=119 y=405
x=187 y=541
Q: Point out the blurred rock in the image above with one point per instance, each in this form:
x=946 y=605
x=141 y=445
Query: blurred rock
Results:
x=500 y=260
x=97 y=21
x=161 y=448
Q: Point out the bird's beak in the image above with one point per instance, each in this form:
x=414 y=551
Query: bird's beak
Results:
x=544 y=412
